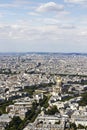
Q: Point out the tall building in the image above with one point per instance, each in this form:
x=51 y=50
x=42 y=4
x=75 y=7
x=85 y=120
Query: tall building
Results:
x=57 y=89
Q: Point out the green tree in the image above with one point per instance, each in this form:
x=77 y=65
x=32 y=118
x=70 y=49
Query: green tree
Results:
x=73 y=126
x=14 y=124
x=52 y=111
x=80 y=126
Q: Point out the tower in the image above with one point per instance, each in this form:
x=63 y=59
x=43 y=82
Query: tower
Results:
x=57 y=89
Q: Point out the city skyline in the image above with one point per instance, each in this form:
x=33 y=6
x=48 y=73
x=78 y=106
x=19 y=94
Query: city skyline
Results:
x=43 y=26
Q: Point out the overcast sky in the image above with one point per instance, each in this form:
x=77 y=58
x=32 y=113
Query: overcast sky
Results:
x=43 y=26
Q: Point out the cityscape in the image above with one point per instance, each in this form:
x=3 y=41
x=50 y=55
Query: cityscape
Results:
x=43 y=64
x=43 y=91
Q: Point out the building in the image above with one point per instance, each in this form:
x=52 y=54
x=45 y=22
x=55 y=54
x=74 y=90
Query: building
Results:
x=57 y=89
x=4 y=120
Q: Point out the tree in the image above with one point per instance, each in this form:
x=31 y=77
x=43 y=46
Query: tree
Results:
x=14 y=124
x=52 y=111
x=80 y=126
x=73 y=126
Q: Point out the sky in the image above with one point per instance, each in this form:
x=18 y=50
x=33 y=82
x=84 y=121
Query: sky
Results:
x=43 y=26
